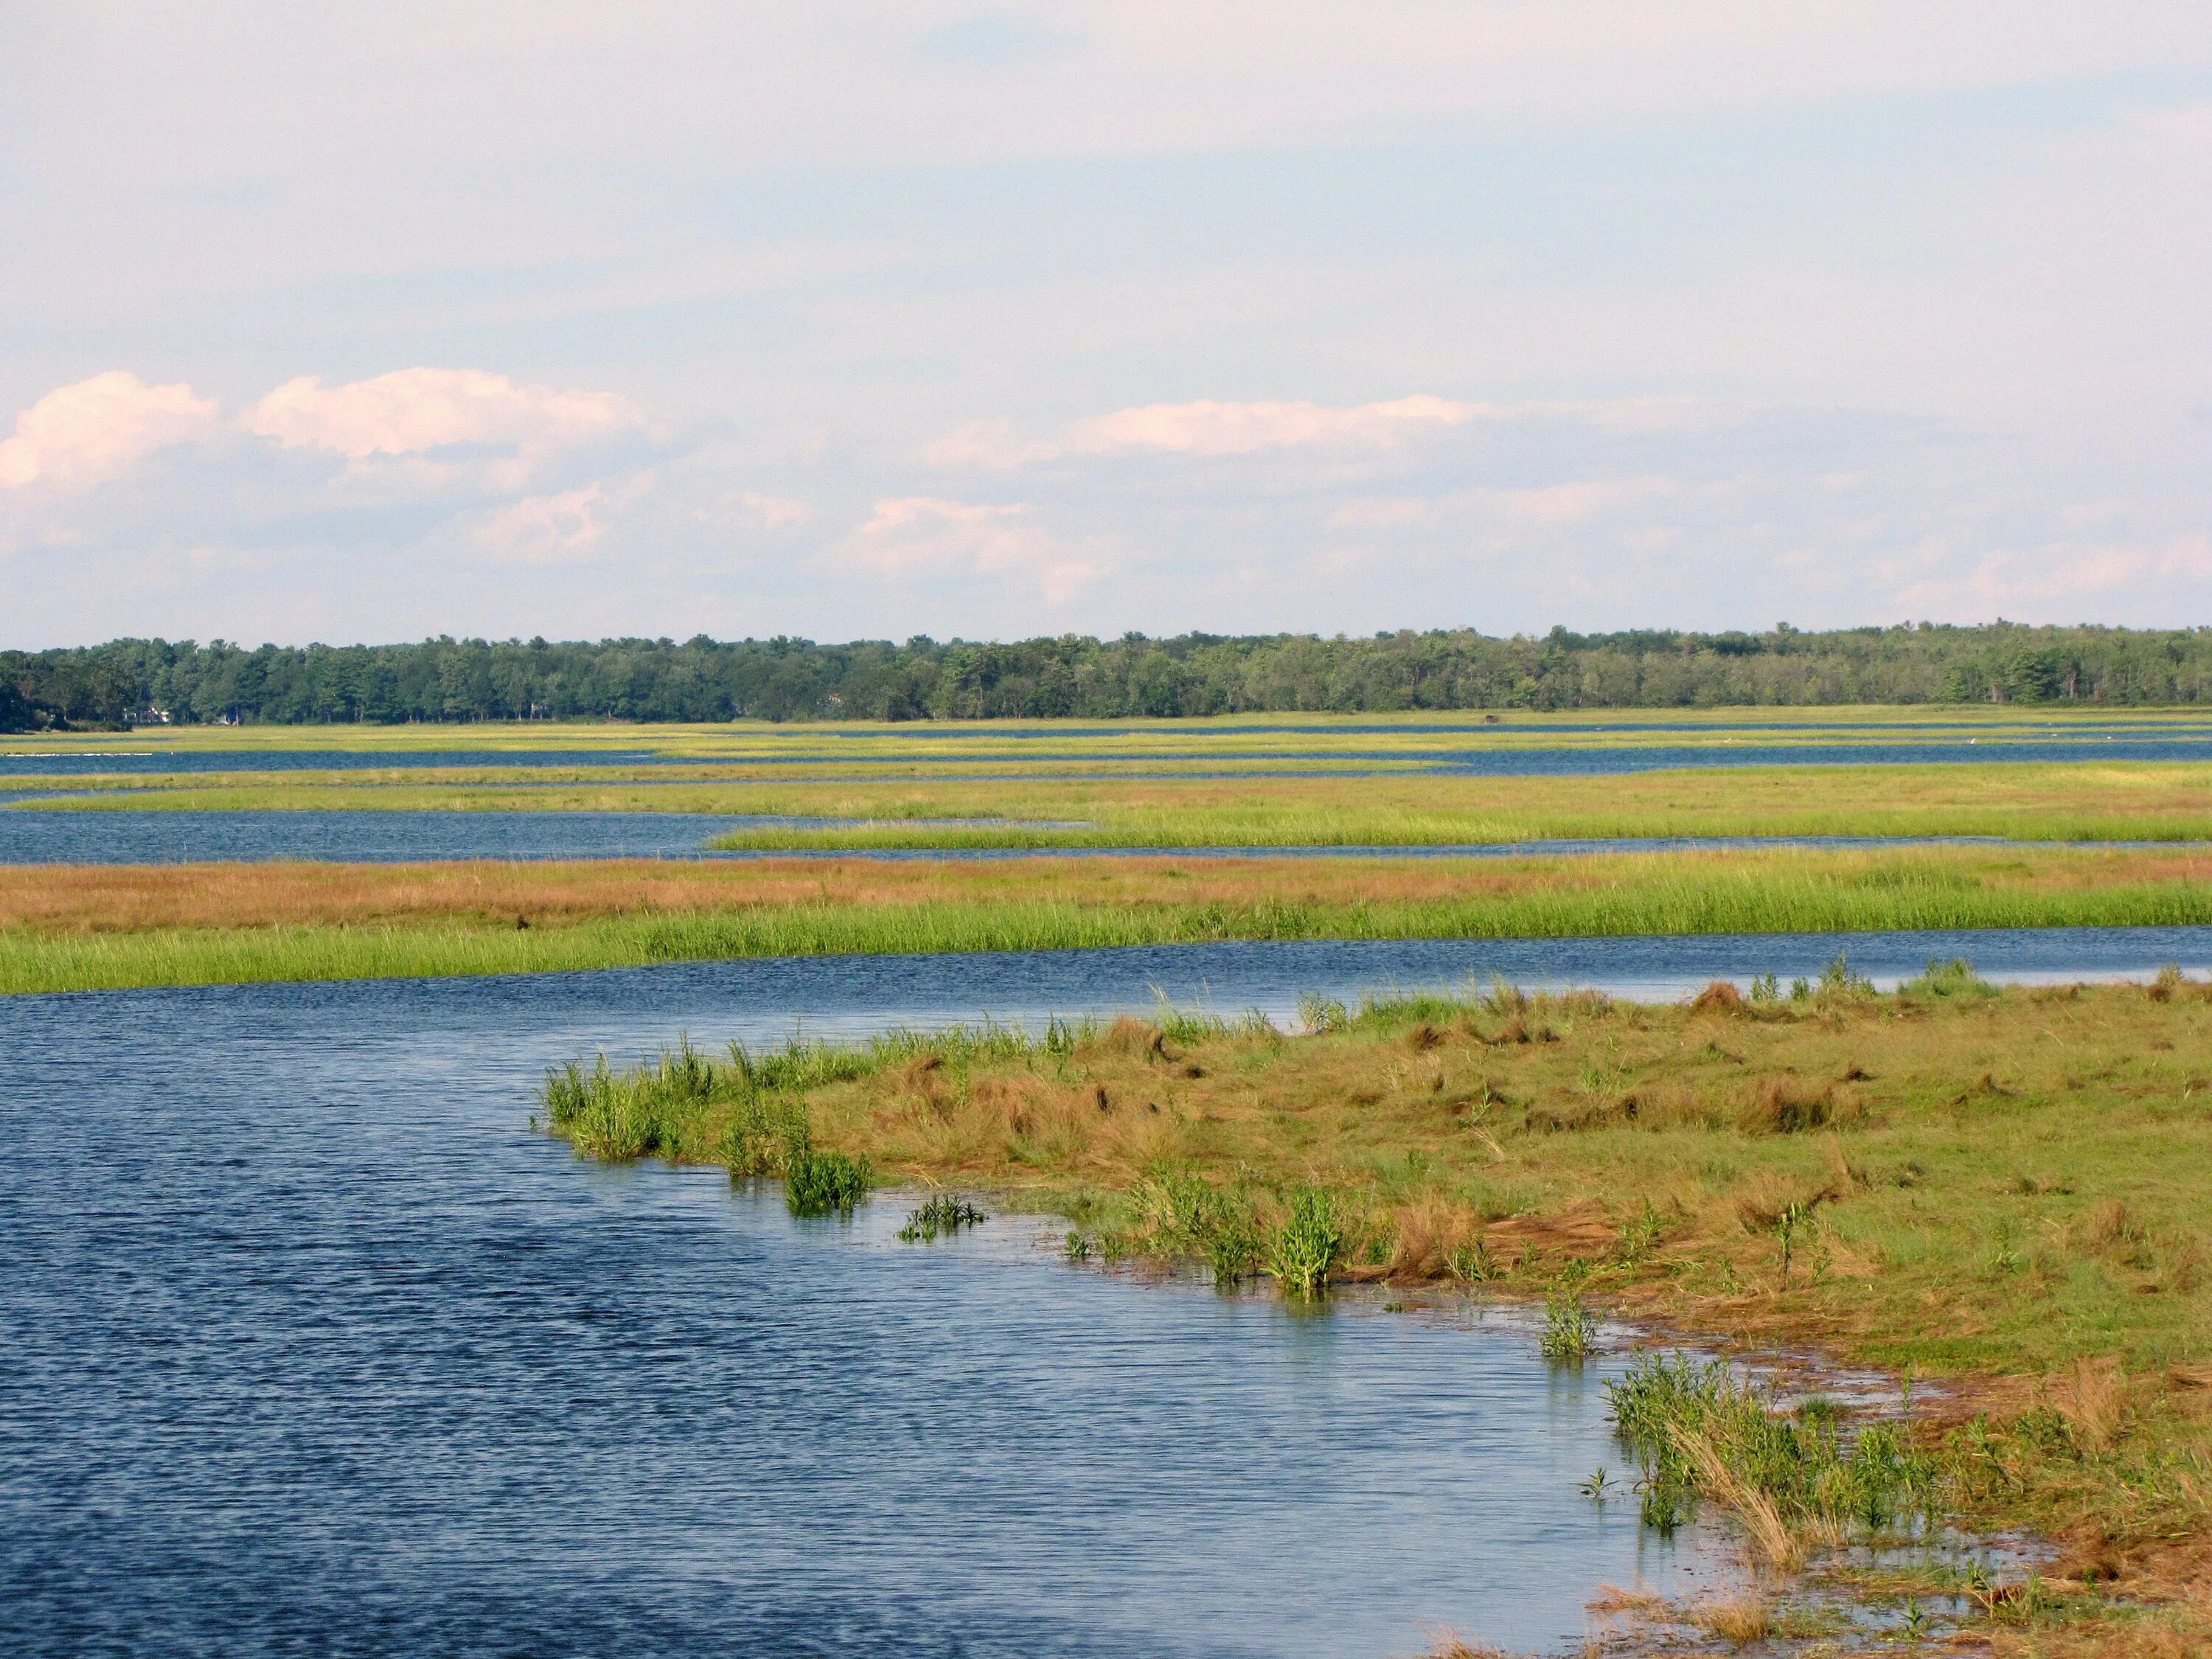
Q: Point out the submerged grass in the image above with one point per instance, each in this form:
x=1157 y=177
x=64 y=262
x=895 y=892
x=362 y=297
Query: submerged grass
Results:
x=1794 y=1473
x=77 y=928
x=2007 y=1194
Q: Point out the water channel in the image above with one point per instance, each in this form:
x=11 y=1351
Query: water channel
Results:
x=37 y=835
x=313 y=1346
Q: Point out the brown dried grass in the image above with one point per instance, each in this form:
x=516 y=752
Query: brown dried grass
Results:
x=1739 y=1617
x=100 y=898
x=2092 y=1395
x=1762 y=1522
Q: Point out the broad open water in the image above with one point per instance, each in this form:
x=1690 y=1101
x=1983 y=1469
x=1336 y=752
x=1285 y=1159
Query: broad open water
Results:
x=313 y=1346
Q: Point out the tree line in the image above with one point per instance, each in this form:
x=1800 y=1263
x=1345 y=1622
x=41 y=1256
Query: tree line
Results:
x=137 y=682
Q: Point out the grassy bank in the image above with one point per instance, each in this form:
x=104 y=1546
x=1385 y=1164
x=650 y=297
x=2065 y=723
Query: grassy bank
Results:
x=2003 y=1194
x=2073 y=801
x=90 y=927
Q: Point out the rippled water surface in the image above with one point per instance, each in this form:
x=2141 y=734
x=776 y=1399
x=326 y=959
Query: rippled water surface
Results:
x=312 y=1347
x=33 y=834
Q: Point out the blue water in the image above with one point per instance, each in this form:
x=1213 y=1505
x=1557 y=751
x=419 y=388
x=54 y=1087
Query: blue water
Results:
x=43 y=835
x=633 y=1010
x=314 y=1347
x=48 y=835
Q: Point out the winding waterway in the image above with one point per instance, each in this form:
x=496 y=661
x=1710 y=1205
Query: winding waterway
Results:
x=314 y=1348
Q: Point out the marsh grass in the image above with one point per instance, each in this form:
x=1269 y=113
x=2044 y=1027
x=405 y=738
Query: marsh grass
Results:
x=1794 y=1478
x=2005 y=1191
x=1570 y=1332
x=823 y=1183
x=1303 y=1246
x=1954 y=978
x=940 y=1216
x=75 y=929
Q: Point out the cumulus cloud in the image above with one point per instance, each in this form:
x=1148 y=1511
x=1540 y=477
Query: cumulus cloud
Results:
x=774 y=511
x=81 y=434
x=2043 y=583
x=557 y=529
x=911 y=536
x=1212 y=427
x=416 y=411
x=1208 y=427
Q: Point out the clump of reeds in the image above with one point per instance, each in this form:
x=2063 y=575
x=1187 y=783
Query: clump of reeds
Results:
x=1303 y=1247
x=622 y=1115
x=1182 y=1213
x=1941 y=980
x=1449 y=1644
x=1792 y=1477
x=824 y=1184
x=1570 y=1331
x=940 y=1216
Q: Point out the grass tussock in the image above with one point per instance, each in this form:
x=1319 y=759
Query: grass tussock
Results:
x=81 y=928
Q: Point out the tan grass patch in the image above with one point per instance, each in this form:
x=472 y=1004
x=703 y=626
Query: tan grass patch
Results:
x=1762 y=1522
x=2092 y=1395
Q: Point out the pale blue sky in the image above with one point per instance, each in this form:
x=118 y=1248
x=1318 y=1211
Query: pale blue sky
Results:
x=864 y=321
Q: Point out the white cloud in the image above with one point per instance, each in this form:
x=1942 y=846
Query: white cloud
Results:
x=81 y=434
x=2055 y=582
x=774 y=511
x=561 y=529
x=1208 y=427
x=414 y=411
x=926 y=537
x=1212 y=427
x=1572 y=502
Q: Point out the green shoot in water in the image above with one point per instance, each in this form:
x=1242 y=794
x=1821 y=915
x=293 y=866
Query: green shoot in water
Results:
x=941 y=1217
x=1302 y=1249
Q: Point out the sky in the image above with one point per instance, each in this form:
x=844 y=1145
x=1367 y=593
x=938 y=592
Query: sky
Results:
x=864 y=321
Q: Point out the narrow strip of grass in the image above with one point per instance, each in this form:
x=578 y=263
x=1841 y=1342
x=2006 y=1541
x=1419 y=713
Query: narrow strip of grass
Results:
x=2089 y=800
x=1641 y=897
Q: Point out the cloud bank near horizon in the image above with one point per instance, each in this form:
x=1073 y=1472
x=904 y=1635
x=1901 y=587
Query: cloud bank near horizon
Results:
x=1030 y=319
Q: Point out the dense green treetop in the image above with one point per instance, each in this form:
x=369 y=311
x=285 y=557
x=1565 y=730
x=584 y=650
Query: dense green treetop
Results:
x=780 y=679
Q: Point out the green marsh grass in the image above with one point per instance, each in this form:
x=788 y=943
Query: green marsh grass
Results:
x=1570 y=1332
x=881 y=806
x=2004 y=1193
x=940 y=1216
x=1613 y=895
x=823 y=1183
x=1304 y=1246
x=1795 y=1477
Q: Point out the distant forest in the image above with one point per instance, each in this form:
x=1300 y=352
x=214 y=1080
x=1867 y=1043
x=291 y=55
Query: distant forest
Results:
x=137 y=682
